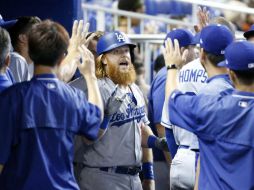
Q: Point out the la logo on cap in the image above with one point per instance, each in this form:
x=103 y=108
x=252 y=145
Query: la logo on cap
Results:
x=120 y=37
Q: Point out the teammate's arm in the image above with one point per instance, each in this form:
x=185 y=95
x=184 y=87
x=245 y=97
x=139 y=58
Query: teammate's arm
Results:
x=87 y=68
x=161 y=133
x=69 y=65
x=148 y=175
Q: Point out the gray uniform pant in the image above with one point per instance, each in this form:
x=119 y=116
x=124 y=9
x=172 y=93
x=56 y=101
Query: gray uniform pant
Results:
x=95 y=179
x=183 y=170
x=161 y=175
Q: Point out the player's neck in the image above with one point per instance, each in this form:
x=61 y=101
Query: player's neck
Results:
x=245 y=88
x=124 y=88
x=214 y=71
x=41 y=69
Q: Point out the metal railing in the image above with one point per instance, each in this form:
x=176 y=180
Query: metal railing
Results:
x=148 y=40
x=101 y=11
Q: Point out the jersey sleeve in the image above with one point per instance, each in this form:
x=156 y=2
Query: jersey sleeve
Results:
x=182 y=110
x=165 y=117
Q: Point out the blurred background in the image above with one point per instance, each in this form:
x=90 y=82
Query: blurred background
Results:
x=145 y=21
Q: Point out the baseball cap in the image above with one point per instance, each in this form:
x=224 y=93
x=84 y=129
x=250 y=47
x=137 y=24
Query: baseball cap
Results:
x=184 y=37
x=6 y=24
x=112 y=40
x=249 y=33
x=239 y=56
x=215 y=38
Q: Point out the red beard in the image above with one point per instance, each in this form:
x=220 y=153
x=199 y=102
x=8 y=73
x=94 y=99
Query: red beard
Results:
x=119 y=77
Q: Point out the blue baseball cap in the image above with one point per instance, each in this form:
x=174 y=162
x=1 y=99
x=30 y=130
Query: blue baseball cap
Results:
x=239 y=56
x=113 y=40
x=249 y=33
x=215 y=38
x=184 y=37
x=7 y=24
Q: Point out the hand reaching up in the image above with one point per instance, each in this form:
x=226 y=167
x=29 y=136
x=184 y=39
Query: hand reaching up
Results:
x=172 y=54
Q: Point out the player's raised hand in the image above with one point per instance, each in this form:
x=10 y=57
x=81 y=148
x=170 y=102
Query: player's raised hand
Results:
x=173 y=55
x=78 y=38
x=203 y=19
x=87 y=66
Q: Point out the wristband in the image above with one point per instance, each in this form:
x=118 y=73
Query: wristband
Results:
x=104 y=124
x=171 y=67
x=147 y=169
x=151 y=141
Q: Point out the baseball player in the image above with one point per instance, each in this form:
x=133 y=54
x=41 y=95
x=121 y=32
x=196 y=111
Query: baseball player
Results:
x=39 y=118
x=222 y=122
x=114 y=161
x=21 y=64
x=157 y=93
x=190 y=78
x=249 y=35
x=5 y=46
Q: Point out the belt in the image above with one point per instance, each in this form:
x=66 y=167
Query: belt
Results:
x=184 y=146
x=130 y=170
x=188 y=147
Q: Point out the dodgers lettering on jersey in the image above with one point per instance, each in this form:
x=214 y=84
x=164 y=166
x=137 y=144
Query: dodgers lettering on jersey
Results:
x=132 y=113
x=192 y=75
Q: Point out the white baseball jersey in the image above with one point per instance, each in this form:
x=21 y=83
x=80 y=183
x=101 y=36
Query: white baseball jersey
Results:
x=191 y=78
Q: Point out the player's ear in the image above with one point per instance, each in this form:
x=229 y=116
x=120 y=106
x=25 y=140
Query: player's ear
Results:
x=233 y=77
x=202 y=56
x=8 y=60
x=104 y=60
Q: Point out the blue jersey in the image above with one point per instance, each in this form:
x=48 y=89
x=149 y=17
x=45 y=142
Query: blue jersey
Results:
x=224 y=126
x=5 y=82
x=215 y=85
x=39 y=119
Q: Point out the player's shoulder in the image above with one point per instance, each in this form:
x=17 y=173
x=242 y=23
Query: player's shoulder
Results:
x=195 y=64
x=17 y=57
x=15 y=90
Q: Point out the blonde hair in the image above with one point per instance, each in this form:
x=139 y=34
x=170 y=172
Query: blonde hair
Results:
x=100 y=71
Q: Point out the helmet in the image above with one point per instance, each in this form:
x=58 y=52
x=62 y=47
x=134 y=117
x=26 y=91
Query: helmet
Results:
x=113 y=40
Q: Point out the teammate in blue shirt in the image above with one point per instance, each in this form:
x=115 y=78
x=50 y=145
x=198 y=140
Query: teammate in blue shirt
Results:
x=39 y=118
x=222 y=122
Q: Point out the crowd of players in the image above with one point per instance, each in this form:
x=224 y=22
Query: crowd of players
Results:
x=72 y=116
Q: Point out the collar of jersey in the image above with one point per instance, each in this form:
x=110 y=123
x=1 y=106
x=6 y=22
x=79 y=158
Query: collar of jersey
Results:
x=47 y=76
x=225 y=76
x=242 y=93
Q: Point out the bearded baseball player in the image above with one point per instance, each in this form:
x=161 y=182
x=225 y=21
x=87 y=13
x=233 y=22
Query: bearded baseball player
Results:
x=114 y=161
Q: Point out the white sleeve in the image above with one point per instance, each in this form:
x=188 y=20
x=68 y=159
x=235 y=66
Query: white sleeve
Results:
x=165 y=117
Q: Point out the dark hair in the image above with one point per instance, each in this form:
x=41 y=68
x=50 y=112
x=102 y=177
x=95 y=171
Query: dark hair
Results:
x=47 y=42
x=5 y=45
x=22 y=26
x=214 y=59
x=246 y=77
x=159 y=63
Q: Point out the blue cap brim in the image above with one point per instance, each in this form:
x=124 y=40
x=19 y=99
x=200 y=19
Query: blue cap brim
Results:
x=7 y=24
x=222 y=64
